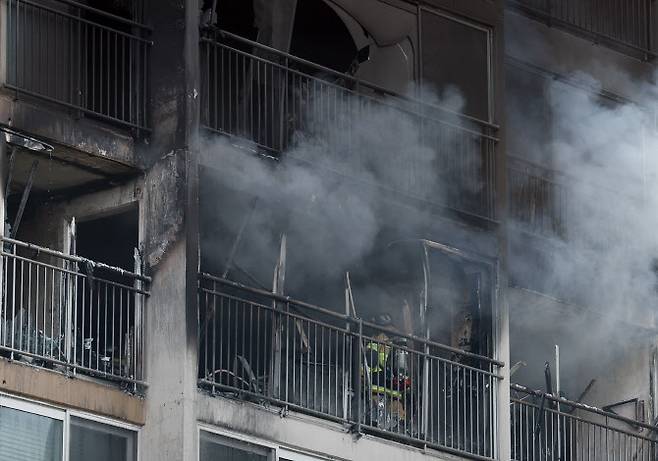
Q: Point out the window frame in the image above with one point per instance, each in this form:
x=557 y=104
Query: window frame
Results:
x=488 y=30
x=34 y=408
x=64 y=415
x=277 y=451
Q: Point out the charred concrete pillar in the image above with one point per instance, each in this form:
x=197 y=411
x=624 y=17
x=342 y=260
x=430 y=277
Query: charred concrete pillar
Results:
x=170 y=217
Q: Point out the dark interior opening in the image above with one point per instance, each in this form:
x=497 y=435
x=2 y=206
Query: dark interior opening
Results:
x=110 y=239
x=236 y=16
x=320 y=36
x=106 y=310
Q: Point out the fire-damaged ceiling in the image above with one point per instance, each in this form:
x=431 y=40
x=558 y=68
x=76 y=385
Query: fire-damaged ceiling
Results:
x=64 y=171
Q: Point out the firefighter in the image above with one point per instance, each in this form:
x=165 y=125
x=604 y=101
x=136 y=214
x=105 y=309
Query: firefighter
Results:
x=387 y=407
x=377 y=357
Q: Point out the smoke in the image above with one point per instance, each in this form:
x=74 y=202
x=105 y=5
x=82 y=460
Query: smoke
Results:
x=602 y=256
x=607 y=199
x=332 y=193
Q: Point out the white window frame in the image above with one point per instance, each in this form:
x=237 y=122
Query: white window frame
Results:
x=64 y=415
x=278 y=451
x=41 y=410
x=297 y=455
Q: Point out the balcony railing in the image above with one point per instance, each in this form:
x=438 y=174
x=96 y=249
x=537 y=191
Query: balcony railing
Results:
x=80 y=57
x=273 y=99
x=71 y=314
x=626 y=23
x=545 y=428
x=538 y=202
x=262 y=347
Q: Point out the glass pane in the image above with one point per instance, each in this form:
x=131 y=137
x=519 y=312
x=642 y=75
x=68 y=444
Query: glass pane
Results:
x=100 y=442
x=456 y=55
x=29 y=437
x=215 y=448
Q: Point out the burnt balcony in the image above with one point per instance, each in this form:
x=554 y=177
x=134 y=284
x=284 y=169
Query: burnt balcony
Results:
x=91 y=61
x=549 y=429
x=72 y=315
x=266 y=348
x=538 y=199
x=622 y=24
x=273 y=100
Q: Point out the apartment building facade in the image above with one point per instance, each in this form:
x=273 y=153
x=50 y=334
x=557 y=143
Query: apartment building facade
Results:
x=307 y=230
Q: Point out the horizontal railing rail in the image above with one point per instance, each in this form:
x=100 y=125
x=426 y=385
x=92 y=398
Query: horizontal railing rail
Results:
x=625 y=23
x=274 y=100
x=538 y=200
x=547 y=428
x=264 y=347
x=71 y=314
x=80 y=57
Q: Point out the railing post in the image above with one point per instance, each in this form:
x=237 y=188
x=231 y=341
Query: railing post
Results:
x=137 y=364
x=71 y=284
x=69 y=281
x=357 y=360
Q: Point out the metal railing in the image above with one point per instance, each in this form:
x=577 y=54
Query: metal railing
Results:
x=267 y=348
x=537 y=201
x=71 y=314
x=274 y=99
x=80 y=57
x=619 y=22
x=545 y=428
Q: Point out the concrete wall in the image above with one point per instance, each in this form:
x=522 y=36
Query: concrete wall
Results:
x=77 y=393
x=306 y=434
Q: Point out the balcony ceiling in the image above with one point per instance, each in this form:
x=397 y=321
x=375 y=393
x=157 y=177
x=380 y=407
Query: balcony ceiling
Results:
x=65 y=172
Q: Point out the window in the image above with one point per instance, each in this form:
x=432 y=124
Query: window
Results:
x=100 y=442
x=455 y=54
x=288 y=455
x=26 y=436
x=30 y=432
x=214 y=447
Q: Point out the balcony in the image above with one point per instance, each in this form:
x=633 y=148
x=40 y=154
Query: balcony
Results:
x=538 y=200
x=72 y=315
x=266 y=348
x=274 y=100
x=622 y=24
x=550 y=429
x=82 y=58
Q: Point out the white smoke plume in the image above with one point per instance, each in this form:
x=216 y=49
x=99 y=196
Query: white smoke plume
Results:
x=332 y=190
x=602 y=265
